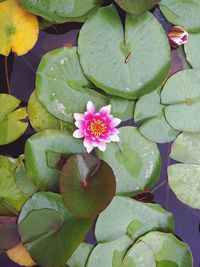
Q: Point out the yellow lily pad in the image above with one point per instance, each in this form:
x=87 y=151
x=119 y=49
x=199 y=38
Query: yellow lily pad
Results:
x=19 y=29
x=21 y=256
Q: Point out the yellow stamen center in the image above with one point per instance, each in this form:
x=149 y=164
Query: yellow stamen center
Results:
x=97 y=127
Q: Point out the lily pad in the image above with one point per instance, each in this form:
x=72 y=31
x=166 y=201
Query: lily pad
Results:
x=135 y=161
x=168 y=250
x=182 y=95
x=9 y=236
x=192 y=50
x=103 y=254
x=131 y=217
x=121 y=70
x=87 y=185
x=149 y=110
x=61 y=86
x=182 y=13
x=19 y=29
x=49 y=231
x=11 y=198
x=137 y=7
x=80 y=256
x=186 y=148
x=184 y=180
x=11 y=119
x=37 y=149
x=41 y=119
x=122 y=108
x=61 y=11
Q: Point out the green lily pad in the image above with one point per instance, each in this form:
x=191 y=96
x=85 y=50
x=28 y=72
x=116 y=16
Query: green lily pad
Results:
x=184 y=180
x=87 y=185
x=186 y=148
x=192 y=50
x=9 y=236
x=182 y=13
x=80 y=256
x=49 y=231
x=37 y=149
x=41 y=119
x=61 y=86
x=12 y=125
x=128 y=216
x=61 y=11
x=137 y=7
x=182 y=95
x=139 y=255
x=114 y=60
x=168 y=250
x=149 y=110
x=122 y=108
x=135 y=161
x=103 y=254
x=11 y=198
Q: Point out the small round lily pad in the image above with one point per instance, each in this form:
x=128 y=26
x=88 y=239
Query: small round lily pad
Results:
x=87 y=185
x=137 y=7
x=122 y=108
x=49 y=231
x=149 y=110
x=181 y=94
x=182 y=13
x=192 y=50
x=61 y=86
x=113 y=58
x=11 y=119
x=135 y=161
x=61 y=11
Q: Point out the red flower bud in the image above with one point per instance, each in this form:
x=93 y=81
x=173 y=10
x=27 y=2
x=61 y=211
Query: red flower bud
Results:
x=177 y=36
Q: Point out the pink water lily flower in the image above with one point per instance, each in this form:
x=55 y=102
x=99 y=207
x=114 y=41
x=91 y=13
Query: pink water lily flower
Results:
x=177 y=36
x=96 y=127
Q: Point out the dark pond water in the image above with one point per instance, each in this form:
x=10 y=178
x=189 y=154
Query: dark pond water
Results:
x=21 y=72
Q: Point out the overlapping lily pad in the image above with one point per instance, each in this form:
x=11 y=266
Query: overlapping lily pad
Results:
x=87 y=185
x=149 y=110
x=41 y=119
x=130 y=217
x=135 y=161
x=114 y=60
x=192 y=50
x=137 y=7
x=182 y=95
x=61 y=86
x=11 y=119
x=11 y=198
x=182 y=13
x=49 y=231
x=80 y=256
x=40 y=151
x=61 y=11
x=122 y=108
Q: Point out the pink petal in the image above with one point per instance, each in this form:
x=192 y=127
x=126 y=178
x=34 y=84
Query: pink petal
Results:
x=115 y=122
x=114 y=138
x=88 y=144
x=91 y=107
x=105 y=110
x=78 y=116
x=102 y=146
x=78 y=133
x=79 y=123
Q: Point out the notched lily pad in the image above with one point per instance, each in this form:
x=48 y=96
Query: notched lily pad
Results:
x=135 y=161
x=61 y=86
x=87 y=185
x=62 y=11
x=149 y=110
x=49 y=231
x=137 y=7
x=119 y=69
x=181 y=94
x=12 y=124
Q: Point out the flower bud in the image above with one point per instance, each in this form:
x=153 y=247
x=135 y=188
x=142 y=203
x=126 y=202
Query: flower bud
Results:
x=177 y=36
